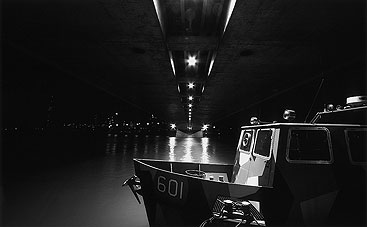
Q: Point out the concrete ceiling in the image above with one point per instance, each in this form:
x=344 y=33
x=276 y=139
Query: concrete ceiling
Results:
x=122 y=47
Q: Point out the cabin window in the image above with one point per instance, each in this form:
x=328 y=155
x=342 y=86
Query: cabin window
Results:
x=263 y=143
x=309 y=145
x=356 y=143
x=246 y=141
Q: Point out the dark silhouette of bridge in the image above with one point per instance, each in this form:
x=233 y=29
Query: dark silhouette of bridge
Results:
x=192 y=62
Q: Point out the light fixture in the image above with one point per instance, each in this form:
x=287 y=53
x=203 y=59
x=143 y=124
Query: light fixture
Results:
x=191 y=98
x=173 y=126
x=205 y=127
x=191 y=85
x=189 y=127
x=229 y=13
x=190 y=105
x=192 y=61
x=211 y=65
x=172 y=63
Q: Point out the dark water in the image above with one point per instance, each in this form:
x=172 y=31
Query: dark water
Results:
x=76 y=181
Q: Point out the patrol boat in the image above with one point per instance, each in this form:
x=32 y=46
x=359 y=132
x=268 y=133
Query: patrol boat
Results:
x=284 y=174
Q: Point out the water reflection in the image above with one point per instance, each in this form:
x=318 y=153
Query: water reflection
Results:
x=205 y=145
x=172 y=145
x=111 y=145
x=187 y=144
x=92 y=188
x=156 y=145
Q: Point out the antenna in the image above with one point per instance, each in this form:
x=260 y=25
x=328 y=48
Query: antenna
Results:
x=314 y=99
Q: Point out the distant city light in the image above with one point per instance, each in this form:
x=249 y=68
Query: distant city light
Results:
x=147 y=123
x=192 y=61
x=191 y=98
x=117 y=114
x=117 y=125
x=191 y=85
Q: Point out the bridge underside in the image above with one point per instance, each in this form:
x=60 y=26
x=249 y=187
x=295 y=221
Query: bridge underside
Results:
x=253 y=58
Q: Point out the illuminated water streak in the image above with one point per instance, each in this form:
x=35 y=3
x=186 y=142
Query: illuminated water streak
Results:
x=172 y=145
x=204 y=146
x=187 y=144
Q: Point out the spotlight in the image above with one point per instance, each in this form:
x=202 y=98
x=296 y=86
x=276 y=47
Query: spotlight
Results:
x=192 y=61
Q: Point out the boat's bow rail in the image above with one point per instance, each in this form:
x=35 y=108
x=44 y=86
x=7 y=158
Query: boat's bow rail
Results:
x=213 y=171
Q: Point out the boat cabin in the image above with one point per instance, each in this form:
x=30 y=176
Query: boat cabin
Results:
x=318 y=168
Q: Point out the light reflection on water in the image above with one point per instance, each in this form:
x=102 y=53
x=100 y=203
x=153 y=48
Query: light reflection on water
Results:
x=204 y=145
x=89 y=193
x=182 y=149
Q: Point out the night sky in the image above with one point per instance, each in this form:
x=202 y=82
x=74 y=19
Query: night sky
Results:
x=31 y=87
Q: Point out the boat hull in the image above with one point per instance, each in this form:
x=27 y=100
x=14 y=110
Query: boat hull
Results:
x=173 y=199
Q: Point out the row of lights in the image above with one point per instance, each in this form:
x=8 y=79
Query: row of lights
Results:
x=191 y=61
x=205 y=127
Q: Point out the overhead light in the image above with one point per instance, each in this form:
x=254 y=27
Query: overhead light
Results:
x=190 y=105
x=205 y=127
x=191 y=85
x=191 y=98
x=229 y=13
x=173 y=126
x=189 y=127
x=192 y=61
x=157 y=10
x=211 y=65
x=172 y=63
